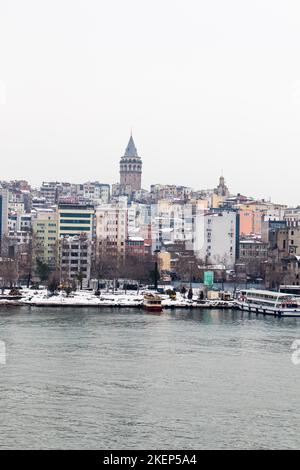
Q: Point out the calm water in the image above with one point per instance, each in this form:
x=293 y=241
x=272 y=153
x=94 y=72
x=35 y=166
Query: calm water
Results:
x=104 y=379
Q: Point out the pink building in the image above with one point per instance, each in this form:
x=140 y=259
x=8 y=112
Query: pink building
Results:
x=250 y=222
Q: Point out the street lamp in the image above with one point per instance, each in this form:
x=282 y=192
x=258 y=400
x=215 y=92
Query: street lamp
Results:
x=156 y=269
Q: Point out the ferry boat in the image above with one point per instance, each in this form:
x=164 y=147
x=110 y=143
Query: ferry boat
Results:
x=269 y=303
x=152 y=303
x=295 y=290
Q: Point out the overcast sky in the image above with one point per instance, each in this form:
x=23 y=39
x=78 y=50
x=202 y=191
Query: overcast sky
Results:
x=206 y=86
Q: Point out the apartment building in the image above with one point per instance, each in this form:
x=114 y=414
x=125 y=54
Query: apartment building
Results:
x=218 y=238
x=176 y=222
x=45 y=236
x=19 y=222
x=135 y=246
x=111 y=227
x=76 y=219
x=96 y=192
x=75 y=258
x=253 y=250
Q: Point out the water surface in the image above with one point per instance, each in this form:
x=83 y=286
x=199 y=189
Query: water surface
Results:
x=113 y=379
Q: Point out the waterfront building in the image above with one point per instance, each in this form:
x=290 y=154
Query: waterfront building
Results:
x=19 y=233
x=75 y=257
x=283 y=272
x=111 y=227
x=17 y=243
x=45 y=235
x=218 y=240
x=76 y=219
x=283 y=253
x=253 y=254
x=285 y=241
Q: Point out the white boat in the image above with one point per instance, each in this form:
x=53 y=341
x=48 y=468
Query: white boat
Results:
x=269 y=303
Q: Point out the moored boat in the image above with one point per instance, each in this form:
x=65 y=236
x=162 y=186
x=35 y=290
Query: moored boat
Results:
x=152 y=303
x=269 y=303
x=14 y=294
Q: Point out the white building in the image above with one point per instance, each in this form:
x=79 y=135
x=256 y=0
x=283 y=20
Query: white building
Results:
x=111 y=226
x=292 y=215
x=173 y=222
x=75 y=258
x=96 y=192
x=274 y=213
x=19 y=222
x=217 y=237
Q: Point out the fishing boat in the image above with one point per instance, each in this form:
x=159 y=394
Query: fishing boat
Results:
x=269 y=303
x=152 y=303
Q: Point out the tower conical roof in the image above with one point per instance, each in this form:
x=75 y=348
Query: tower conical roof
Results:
x=131 y=151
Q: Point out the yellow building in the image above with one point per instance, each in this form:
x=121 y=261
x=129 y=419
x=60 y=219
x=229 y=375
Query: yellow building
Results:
x=45 y=231
x=216 y=201
x=164 y=261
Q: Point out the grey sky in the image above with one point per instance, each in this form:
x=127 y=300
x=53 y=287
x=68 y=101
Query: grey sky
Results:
x=205 y=85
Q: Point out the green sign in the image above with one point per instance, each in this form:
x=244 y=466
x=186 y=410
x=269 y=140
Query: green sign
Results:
x=208 y=278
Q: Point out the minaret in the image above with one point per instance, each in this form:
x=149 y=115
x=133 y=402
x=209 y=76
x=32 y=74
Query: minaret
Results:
x=131 y=167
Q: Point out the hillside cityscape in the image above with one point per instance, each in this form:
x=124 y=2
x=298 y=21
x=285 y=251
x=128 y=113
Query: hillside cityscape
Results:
x=81 y=235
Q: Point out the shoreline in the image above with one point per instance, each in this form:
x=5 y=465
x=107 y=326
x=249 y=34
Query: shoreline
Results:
x=87 y=299
x=114 y=306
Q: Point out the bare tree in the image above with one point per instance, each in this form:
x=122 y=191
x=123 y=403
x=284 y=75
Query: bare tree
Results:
x=8 y=273
x=53 y=282
x=188 y=268
x=27 y=258
x=138 y=268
